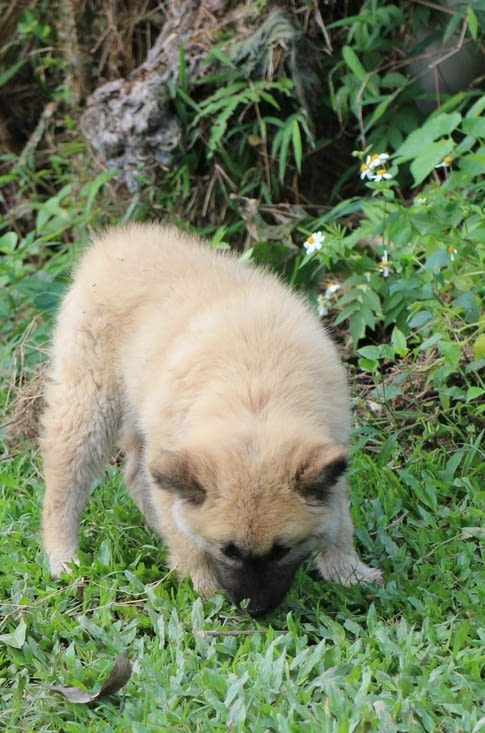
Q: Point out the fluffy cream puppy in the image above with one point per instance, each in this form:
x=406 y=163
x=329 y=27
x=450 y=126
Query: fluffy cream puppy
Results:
x=229 y=400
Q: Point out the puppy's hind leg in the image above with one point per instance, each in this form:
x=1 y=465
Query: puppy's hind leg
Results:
x=79 y=429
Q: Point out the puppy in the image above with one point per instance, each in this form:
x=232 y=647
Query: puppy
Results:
x=230 y=403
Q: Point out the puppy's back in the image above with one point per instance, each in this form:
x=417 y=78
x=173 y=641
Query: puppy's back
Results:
x=147 y=263
x=158 y=302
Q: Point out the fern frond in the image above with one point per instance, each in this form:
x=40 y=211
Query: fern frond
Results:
x=224 y=102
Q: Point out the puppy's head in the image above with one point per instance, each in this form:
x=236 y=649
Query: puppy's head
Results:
x=258 y=508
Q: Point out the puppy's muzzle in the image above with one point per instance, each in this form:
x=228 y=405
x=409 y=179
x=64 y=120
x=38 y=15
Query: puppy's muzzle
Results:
x=264 y=588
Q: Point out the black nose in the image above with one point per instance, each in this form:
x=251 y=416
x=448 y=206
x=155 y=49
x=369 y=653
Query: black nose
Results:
x=258 y=611
x=256 y=608
x=259 y=582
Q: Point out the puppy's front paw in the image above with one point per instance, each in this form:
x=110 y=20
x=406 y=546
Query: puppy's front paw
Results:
x=365 y=574
x=196 y=565
x=346 y=569
x=204 y=584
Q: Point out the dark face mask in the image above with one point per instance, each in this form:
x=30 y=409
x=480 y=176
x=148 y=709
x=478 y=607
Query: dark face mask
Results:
x=263 y=581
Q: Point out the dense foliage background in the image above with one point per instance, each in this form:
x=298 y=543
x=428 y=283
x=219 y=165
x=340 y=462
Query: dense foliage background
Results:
x=342 y=144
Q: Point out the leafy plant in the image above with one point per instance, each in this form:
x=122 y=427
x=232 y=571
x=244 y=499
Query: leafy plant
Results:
x=34 y=264
x=371 y=80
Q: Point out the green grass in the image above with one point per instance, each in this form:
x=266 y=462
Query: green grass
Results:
x=405 y=657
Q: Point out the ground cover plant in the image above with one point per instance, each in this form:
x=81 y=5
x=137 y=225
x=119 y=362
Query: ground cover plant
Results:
x=372 y=206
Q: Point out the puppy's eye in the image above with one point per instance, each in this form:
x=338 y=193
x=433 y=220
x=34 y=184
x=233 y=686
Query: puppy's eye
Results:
x=232 y=551
x=279 y=552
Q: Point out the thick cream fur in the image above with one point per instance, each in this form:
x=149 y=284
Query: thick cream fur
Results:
x=163 y=345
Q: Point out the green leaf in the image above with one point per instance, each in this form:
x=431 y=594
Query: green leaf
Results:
x=461 y=633
x=413 y=145
x=353 y=62
x=452 y=25
x=6 y=75
x=473 y=533
x=297 y=146
x=450 y=351
x=186 y=99
x=8 y=242
x=429 y=342
x=477 y=109
x=474 y=393
x=355 y=295
x=282 y=141
x=399 y=342
x=367 y=365
x=370 y=352
x=478 y=348
x=372 y=300
x=350 y=310
x=419 y=319
x=182 y=80
x=437 y=260
x=381 y=109
x=428 y=158
x=265 y=97
x=473 y=164
x=357 y=326
x=93 y=187
x=434 y=128
x=472 y=23
x=474 y=126
x=423 y=488
x=451 y=466
x=218 y=54
x=443 y=124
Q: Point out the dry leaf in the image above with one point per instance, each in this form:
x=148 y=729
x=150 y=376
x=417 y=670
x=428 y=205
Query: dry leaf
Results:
x=15 y=639
x=117 y=678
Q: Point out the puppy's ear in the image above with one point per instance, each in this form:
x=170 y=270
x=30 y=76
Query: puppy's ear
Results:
x=318 y=473
x=176 y=471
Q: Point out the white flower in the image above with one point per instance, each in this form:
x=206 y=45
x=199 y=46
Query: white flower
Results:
x=322 y=307
x=367 y=166
x=314 y=242
x=452 y=251
x=380 y=174
x=331 y=289
x=372 y=163
x=384 y=266
x=446 y=162
x=324 y=299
